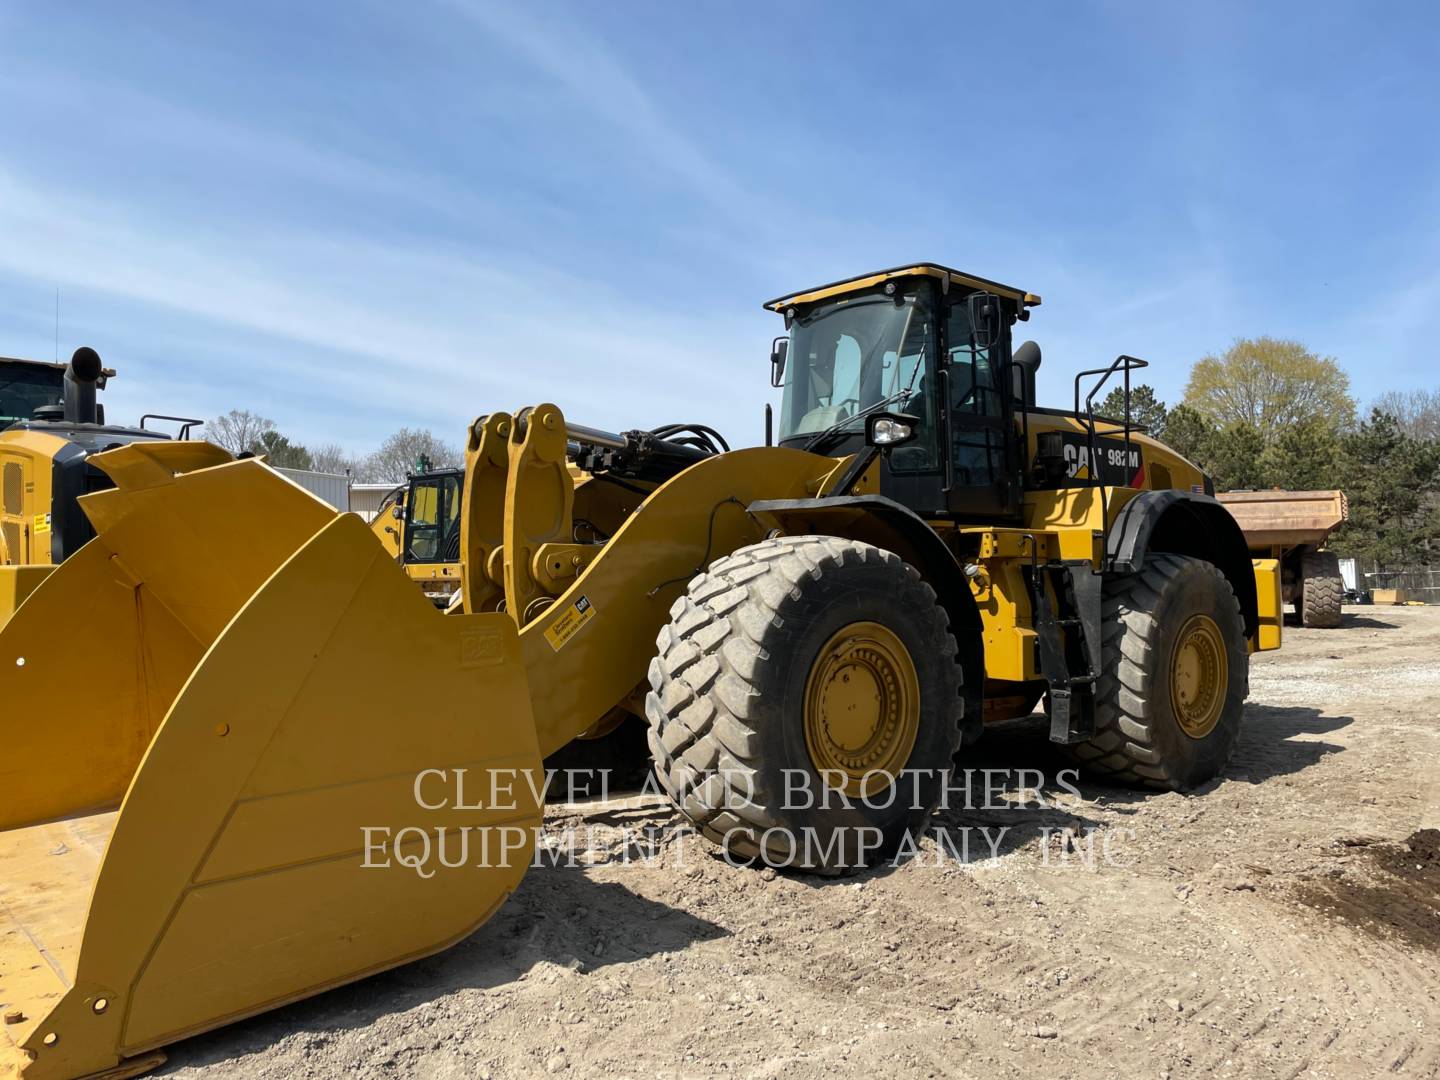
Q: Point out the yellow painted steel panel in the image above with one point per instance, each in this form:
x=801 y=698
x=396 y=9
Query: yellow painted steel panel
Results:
x=1269 y=606
x=235 y=878
x=17 y=583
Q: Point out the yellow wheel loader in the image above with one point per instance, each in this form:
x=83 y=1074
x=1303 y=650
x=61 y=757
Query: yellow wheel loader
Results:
x=50 y=429
x=419 y=525
x=811 y=629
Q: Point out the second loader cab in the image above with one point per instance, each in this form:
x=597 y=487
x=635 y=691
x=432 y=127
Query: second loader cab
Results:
x=432 y=518
x=923 y=342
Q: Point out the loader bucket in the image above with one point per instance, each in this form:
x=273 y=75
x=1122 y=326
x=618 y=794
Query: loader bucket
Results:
x=16 y=583
x=223 y=661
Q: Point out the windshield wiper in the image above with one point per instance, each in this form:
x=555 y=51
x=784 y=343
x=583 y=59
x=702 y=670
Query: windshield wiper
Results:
x=902 y=396
x=839 y=426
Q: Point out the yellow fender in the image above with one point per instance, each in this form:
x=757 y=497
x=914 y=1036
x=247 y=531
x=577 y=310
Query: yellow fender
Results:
x=235 y=878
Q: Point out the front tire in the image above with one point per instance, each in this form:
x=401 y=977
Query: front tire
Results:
x=796 y=655
x=1175 y=675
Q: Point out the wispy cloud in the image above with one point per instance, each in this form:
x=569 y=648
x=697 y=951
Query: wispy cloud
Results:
x=432 y=334
x=552 y=40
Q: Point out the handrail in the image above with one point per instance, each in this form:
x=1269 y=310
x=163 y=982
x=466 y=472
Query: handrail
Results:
x=1124 y=364
x=185 y=422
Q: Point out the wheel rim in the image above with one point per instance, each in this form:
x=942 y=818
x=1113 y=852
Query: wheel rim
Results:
x=862 y=708
x=1199 y=676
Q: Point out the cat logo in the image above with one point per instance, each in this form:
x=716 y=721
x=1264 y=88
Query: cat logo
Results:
x=565 y=627
x=1119 y=465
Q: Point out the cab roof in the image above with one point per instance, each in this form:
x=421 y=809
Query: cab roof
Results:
x=935 y=270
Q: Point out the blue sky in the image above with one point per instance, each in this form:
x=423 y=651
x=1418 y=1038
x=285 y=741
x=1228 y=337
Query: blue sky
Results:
x=355 y=216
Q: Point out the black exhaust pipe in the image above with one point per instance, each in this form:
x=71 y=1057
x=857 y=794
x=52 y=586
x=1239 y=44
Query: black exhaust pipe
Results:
x=81 y=375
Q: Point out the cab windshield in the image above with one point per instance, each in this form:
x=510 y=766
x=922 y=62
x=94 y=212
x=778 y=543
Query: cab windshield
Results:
x=855 y=355
x=24 y=387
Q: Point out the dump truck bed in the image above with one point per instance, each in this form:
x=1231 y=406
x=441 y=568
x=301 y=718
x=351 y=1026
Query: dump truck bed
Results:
x=1286 y=518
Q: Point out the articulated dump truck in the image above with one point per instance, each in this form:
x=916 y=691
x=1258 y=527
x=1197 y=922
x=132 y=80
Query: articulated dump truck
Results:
x=1292 y=527
x=197 y=760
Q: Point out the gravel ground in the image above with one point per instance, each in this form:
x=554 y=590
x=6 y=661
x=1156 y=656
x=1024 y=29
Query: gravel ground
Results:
x=1281 y=922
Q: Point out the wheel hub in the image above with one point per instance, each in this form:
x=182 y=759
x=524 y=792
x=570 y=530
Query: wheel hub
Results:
x=1199 y=676
x=862 y=708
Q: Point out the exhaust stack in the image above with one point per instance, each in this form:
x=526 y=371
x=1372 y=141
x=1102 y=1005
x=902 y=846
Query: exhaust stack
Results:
x=81 y=375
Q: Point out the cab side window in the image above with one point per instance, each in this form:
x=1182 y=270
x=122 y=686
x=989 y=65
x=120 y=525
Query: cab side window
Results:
x=977 y=449
x=974 y=381
x=450 y=536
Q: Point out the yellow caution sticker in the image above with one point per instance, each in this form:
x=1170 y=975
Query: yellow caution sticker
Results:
x=565 y=627
x=42 y=523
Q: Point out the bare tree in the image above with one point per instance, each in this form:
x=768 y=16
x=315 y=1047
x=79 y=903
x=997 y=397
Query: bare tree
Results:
x=334 y=458
x=239 y=430
x=408 y=451
x=1416 y=411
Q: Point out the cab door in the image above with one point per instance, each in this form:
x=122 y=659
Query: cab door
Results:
x=981 y=466
x=432 y=519
x=15 y=511
x=423 y=521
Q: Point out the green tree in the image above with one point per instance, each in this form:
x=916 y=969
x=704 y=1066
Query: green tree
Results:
x=1234 y=457
x=1145 y=408
x=280 y=451
x=1190 y=434
x=1392 y=481
x=1270 y=385
x=1302 y=457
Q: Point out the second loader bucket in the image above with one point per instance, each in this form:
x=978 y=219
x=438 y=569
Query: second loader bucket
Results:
x=223 y=661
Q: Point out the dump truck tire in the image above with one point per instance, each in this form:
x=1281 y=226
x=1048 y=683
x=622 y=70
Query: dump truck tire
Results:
x=1322 y=590
x=734 y=691
x=1174 y=678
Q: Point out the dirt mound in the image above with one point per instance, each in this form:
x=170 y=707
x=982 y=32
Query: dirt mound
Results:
x=1401 y=896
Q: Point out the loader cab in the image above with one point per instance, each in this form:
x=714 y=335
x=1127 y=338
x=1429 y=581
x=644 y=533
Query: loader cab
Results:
x=432 y=518
x=45 y=454
x=926 y=341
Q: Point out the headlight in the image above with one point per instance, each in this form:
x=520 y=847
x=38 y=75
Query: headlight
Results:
x=888 y=432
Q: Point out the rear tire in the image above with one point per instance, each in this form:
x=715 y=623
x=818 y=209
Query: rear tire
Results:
x=1322 y=590
x=733 y=691
x=1174 y=678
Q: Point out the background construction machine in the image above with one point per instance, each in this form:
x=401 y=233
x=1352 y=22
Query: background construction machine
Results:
x=1292 y=527
x=924 y=550
x=50 y=426
x=419 y=525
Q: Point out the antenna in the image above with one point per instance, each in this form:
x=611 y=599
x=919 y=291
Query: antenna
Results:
x=57 y=324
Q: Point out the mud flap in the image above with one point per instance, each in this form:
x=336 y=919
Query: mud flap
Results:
x=296 y=822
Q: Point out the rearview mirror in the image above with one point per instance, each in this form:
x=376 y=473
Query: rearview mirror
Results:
x=779 y=350
x=985 y=319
